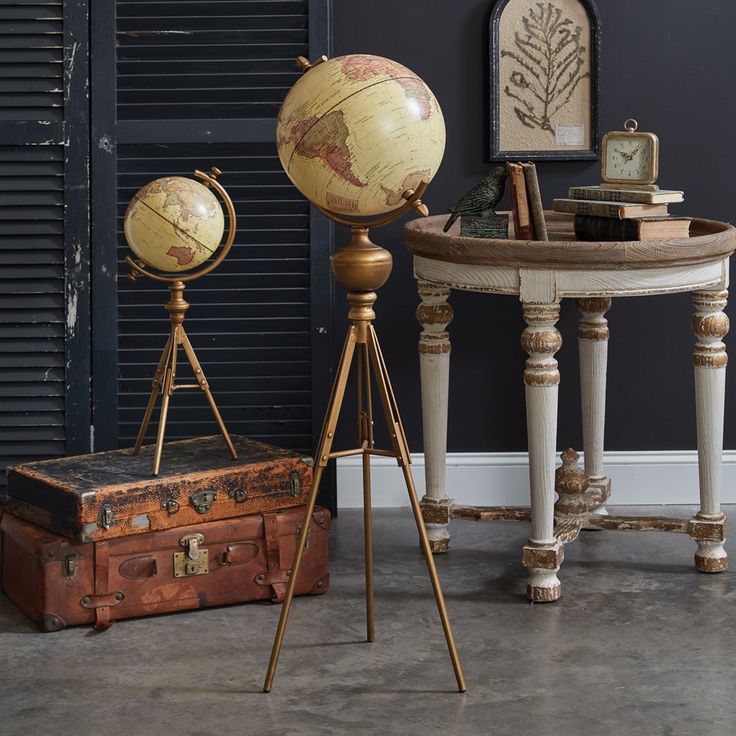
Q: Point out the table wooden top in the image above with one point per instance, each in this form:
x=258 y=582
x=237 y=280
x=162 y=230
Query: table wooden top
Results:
x=709 y=241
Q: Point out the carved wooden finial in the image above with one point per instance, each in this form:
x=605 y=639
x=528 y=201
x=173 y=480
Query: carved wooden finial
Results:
x=417 y=204
x=570 y=477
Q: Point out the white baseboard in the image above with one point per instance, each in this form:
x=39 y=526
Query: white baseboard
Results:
x=488 y=479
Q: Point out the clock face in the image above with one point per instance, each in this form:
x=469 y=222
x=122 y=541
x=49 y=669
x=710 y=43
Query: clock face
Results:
x=630 y=158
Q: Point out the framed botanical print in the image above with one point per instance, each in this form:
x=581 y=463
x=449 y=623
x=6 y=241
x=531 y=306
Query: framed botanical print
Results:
x=544 y=79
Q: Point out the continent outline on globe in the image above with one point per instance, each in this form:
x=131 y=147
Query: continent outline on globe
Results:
x=174 y=223
x=353 y=145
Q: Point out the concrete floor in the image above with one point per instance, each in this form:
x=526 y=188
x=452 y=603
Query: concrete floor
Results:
x=640 y=644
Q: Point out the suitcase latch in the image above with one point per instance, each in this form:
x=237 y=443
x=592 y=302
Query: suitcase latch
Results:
x=203 y=500
x=238 y=495
x=295 y=484
x=194 y=560
x=172 y=506
x=71 y=565
x=309 y=534
x=107 y=516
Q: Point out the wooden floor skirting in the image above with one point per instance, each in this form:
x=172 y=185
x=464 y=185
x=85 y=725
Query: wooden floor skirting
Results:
x=490 y=478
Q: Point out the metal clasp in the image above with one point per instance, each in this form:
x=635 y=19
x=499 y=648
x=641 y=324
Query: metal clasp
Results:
x=295 y=484
x=107 y=516
x=238 y=495
x=194 y=560
x=203 y=500
x=71 y=565
x=172 y=506
x=191 y=543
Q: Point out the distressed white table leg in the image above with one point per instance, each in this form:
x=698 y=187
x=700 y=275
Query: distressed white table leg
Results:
x=541 y=340
x=593 y=350
x=434 y=314
x=708 y=526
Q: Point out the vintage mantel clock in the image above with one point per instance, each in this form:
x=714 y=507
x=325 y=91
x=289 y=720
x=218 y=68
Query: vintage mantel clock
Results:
x=629 y=156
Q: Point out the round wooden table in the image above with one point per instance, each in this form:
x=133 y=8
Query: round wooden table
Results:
x=541 y=274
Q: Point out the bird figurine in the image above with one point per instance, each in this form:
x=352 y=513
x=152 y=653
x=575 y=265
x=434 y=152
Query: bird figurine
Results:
x=482 y=198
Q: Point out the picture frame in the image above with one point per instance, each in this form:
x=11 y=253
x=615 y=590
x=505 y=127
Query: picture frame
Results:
x=527 y=121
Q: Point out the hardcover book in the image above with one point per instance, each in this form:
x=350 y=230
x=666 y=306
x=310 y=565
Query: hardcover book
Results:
x=638 y=228
x=619 y=210
x=520 y=203
x=539 y=226
x=634 y=196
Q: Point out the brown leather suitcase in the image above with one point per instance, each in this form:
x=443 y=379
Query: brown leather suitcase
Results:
x=61 y=583
x=113 y=494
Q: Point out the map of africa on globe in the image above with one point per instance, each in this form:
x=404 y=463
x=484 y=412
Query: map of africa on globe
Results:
x=357 y=131
x=174 y=223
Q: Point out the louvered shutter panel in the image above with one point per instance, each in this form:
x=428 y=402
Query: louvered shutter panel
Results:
x=193 y=84
x=44 y=358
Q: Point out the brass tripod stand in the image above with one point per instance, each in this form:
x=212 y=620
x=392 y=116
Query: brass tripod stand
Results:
x=164 y=379
x=362 y=267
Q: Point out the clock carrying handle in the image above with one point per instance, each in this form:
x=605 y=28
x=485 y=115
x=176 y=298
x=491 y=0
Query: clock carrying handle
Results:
x=209 y=180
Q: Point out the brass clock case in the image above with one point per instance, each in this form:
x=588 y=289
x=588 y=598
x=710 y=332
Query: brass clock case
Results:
x=630 y=134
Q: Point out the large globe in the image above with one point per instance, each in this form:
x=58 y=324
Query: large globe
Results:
x=174 y=224
x=357 y=131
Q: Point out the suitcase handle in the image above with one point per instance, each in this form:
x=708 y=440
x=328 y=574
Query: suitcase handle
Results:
x=139 y=568
x=238 y=554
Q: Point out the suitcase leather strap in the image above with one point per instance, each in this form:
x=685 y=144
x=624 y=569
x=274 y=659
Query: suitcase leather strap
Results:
x=275 y=577
x=102 y=600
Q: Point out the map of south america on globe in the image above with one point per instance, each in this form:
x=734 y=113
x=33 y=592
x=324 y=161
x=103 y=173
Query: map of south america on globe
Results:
x=357 y=131
x=174 y=223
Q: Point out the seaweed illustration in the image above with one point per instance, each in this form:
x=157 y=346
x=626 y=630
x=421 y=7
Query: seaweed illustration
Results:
x=551 y=61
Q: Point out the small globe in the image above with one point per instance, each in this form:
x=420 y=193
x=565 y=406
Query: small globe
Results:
x=174 y=224
x=355 y=132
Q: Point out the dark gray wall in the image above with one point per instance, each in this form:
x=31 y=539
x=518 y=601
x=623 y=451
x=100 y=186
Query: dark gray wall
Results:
x=668 y=64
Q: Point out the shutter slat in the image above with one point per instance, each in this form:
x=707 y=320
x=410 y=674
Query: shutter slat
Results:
x=207 y=60
x=32 y=317
x=249 y=320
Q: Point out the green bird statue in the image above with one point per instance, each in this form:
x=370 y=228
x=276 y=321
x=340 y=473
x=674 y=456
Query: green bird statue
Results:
x=482 y=198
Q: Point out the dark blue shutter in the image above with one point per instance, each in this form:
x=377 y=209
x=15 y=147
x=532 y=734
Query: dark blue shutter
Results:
x=194 y=84
x=44 y=312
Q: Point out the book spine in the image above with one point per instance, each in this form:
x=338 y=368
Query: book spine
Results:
x=608 y=209
x=590 y=227
x=514 y=208
x=628 y=186
x=628 y=196
x=522 y=221
x=535 y=201
x=609 y=195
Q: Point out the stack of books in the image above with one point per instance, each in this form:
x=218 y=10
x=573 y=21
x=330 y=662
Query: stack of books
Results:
x=603 y=213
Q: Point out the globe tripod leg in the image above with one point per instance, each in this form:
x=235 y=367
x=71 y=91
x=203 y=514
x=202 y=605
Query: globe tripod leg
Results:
x=321 y=457
x=158 y=378
x=398 y=437
x=167 y=392
x=202 y=381
x=365 y=411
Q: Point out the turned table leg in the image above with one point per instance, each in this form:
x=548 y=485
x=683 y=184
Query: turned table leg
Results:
x=593 y=350
x=434 y=314
x=708 y=526
x=541 y=340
